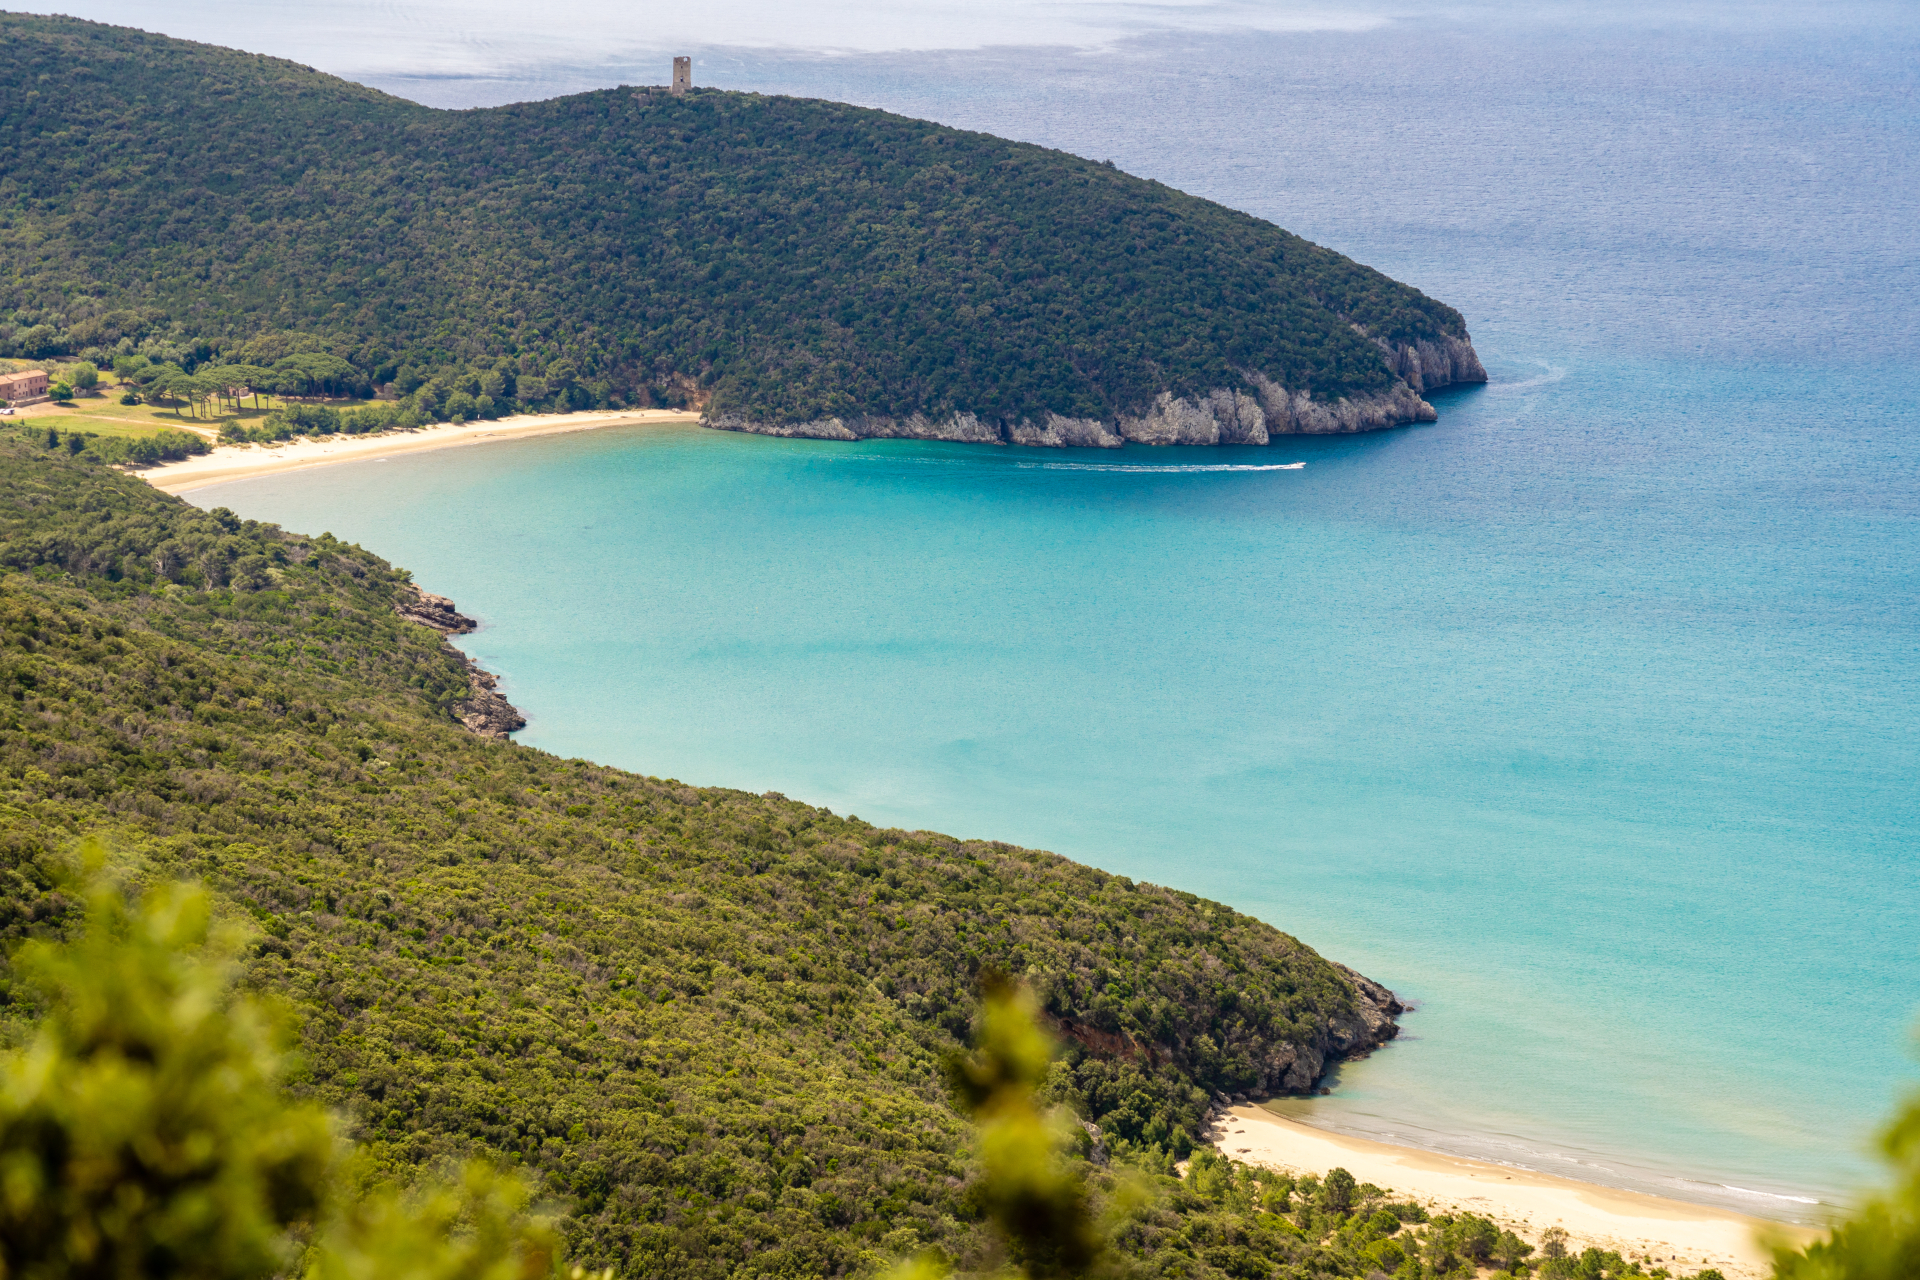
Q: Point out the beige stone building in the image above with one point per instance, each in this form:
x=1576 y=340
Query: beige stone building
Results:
x=24 y=387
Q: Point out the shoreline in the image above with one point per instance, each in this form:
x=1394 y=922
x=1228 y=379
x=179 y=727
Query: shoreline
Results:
x=229 y=462
x=1676 y=1234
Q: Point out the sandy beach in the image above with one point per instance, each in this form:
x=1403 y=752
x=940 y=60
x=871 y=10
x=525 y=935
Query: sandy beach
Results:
x=1684 y=1237
x=244 y=462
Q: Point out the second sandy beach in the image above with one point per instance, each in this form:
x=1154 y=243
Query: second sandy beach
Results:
x=244 y=462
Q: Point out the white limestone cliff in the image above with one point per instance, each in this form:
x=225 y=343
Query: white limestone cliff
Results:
x=1219 y=417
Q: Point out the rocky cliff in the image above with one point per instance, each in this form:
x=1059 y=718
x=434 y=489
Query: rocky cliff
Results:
x=484 y=711
x=1428 y=366
x=1221 y=416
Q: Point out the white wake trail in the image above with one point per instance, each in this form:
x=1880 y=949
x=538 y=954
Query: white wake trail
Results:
x=1100 y=466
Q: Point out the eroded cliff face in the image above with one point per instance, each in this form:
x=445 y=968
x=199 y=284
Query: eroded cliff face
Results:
x=1221 y=416
x=1428 y=366
x=1297 y=1068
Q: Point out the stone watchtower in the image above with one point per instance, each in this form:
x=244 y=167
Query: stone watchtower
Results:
x=682 y=76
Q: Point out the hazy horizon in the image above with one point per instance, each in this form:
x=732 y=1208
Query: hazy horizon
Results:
x=449 y=54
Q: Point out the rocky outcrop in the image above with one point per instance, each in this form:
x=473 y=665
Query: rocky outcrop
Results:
x=433 y=611
x=1284 y=1066
x=1097 y=1152
x=1428 y=366
x=1375 y=1011
x=1221 y=416
x=1066 y=433
x=1056 y=432
x=1297 y=1068
x=484 y=711
x=1298 y=413
x=817 y=429
x=962 y=427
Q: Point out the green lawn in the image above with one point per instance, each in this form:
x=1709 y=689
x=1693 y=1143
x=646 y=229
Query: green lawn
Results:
x=102 y=413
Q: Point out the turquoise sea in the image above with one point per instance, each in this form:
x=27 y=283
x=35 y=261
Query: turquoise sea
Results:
x=1584 y=718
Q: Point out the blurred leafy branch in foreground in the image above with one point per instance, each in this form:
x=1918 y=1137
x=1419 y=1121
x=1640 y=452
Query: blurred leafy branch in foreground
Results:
x=1036 y=1199
x=143 y=1131
x=1882 y=1240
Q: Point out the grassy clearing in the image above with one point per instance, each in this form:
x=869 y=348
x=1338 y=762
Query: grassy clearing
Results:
x=102 y=413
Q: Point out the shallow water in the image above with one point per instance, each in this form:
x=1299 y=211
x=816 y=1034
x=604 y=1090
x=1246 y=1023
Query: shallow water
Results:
x=1585 y=718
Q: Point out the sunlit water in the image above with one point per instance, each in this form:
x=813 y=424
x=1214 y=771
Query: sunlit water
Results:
x=1584 y=718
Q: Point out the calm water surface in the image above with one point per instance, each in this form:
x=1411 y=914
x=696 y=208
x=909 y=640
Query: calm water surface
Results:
x=1584 y=718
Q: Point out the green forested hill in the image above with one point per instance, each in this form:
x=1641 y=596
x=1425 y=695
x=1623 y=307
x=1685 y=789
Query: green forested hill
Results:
x=774 y=258
x=709 y=1021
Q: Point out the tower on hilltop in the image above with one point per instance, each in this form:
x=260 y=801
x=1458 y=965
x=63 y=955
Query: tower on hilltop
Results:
x=682 y=76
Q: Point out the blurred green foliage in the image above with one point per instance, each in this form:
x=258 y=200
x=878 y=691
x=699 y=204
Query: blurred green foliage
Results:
x=1036 y=1199
x=143 y=1131
x=1882 y=1240
x=789 y=258
x=476 y=1228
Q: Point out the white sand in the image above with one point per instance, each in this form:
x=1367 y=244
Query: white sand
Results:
x=1683 y=1237
x=244 y=462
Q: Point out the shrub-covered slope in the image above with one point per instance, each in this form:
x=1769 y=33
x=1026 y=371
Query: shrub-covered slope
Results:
x=779 y=260
x=710 y=1020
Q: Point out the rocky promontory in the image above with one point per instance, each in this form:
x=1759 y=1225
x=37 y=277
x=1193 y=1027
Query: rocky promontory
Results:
x=1254 y=414
x=1291 y=1065
x=484 y=711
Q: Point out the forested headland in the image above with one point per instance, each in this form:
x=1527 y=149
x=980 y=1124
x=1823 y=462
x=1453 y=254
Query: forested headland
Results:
x=777 y=261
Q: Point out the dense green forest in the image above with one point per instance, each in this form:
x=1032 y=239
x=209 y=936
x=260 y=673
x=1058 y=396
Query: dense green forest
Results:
x=711 y=1024
x=773 y=257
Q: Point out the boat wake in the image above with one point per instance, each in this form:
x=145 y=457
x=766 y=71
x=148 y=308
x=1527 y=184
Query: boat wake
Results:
x=996 y=460
x=1550 y=374
x=1114 y=466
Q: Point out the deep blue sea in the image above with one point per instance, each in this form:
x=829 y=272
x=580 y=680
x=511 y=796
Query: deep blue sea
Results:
x=1584 y=718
